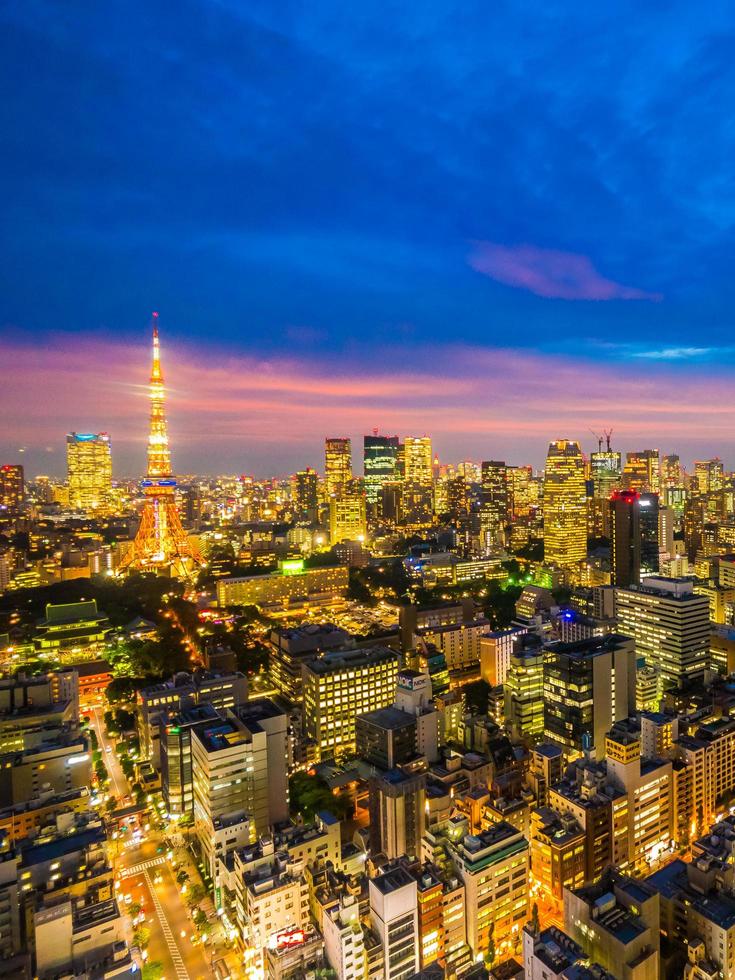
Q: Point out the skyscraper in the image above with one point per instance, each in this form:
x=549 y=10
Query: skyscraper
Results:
x=565 y=505
x=337 y=465
x=418 y=461
x=380 y=458
x=12 y=486
x=494 y=503
x=306 y=494
x=625 y=538
x=649 y=523
x=347 y=517
x=161 y=541
x=709 y=475
x=605 y=471
x=671 y=475
x=89 y=468
x=641 y=471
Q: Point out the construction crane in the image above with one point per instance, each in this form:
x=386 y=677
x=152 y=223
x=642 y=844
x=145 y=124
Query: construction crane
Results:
x=599 y=441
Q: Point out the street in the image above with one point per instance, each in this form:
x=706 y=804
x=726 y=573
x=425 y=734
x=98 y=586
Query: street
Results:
x=119 y=783
x=166 y=914
x=146 y=875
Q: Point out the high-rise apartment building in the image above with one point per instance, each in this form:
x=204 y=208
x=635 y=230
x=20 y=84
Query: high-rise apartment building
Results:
x=642 y=471
x=418 y=464
x=89 y=467
x=337 y=465
x=494 y=503
x=670 y=626
x=380 y=463
x=565 y=505
x=12 y=487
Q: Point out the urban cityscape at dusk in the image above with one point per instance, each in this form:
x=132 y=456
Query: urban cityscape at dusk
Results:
x=367 y=492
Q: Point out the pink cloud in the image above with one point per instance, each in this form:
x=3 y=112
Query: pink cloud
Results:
x=270 y=415
x=550 y=273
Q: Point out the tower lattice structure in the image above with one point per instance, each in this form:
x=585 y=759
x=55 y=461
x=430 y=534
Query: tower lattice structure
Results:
x=161 y=542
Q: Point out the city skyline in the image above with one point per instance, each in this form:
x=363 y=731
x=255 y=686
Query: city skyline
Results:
x=269 y=417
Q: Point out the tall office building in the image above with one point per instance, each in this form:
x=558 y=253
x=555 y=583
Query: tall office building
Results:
x=625 y=538
x=649 y=524
x=457 y=497
x=347 y=517
x=709 y=475
x=418 y=465
x=565 y=505
x=671 y=474
x=306 y=494
x=89 y=467
x=494 y=503
x=380 y=462
x=642 y=471
x=524 y=693
x=397 y=803
x=12 y=487
x=337 y=465
x=605 y=468
x=341 y=685
x=670 y=626
x=588 y=686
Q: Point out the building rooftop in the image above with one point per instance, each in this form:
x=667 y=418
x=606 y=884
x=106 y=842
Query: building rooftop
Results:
x=338 y=660
x=389 y=718
x=592 y=646
x=220 y=735
x=66 y=844
x=392 y=880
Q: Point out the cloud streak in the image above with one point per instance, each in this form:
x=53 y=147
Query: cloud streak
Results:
x=270 y=415
x=550 y=273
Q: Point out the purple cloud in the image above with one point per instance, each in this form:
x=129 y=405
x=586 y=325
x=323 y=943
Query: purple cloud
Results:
x=550 y=273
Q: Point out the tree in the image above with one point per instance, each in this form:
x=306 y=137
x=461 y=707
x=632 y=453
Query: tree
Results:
x=490 y=955
x=141 y=937
x=152 y=971
x=310 y=794
x=535 y=927
x=134 y=910
x=182 y=877
x=196 y=894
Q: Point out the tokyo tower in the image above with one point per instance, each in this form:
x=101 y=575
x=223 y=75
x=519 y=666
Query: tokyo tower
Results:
x=161 y=543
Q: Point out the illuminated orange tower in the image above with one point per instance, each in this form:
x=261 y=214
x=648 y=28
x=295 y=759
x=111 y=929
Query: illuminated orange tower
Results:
x=161 y=542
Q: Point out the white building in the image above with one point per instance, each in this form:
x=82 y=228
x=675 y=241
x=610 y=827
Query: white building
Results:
x=394 y=918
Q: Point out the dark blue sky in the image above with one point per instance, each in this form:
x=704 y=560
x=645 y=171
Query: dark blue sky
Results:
x=327 y=180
